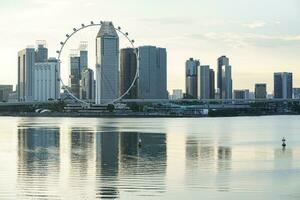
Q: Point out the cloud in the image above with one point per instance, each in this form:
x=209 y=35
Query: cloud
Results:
x=168 y=20
x=237 y=40
x=256 y=24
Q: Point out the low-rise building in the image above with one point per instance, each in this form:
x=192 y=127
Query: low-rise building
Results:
x=296 y=93
x=5 y=90
x=260 y=91
x=177 y=94
x=241 y=94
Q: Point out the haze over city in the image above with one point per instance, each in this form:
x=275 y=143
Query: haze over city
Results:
x=258 y=37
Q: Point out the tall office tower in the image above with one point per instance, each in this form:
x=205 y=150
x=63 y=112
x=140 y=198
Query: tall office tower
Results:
x=107 y=64
x=83 y=61
x=227 y=86
x=74 y=78
x=152 y=64
x=128 y=67
x=260 y=91
x=87 y=84
x=26 y=59
x=212 y=89
x=191 y=78
x=224 y=78
x=283 y=85
x=41 y=53
x=46 y=80
x=204 y=82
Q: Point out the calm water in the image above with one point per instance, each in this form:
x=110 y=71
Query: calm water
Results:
x=222 y=158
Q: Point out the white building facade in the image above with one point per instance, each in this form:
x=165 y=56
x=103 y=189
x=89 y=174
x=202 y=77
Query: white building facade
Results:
x=46 y=81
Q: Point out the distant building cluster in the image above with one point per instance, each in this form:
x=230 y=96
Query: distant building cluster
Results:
x=200 y=80
x=38 y=75
x=116 y=70
x=149 y=61
x=200 y=83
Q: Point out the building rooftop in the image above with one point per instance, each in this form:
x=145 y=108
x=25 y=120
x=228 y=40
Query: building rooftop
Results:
x=107 y=29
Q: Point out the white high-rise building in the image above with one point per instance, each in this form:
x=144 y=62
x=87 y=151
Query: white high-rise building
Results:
x=107 y=64
x=152 y=64
x=46 y=80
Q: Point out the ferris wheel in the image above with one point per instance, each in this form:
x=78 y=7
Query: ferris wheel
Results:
x=81 y=29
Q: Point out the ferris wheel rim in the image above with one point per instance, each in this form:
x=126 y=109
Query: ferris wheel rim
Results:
x=76 y=30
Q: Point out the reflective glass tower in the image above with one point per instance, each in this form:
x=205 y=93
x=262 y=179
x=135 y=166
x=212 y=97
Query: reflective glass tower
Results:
x=107 y=64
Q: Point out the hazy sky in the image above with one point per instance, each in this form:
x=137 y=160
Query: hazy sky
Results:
x=259 y=36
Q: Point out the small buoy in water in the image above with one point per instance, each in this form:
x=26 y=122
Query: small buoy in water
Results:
x=283 y=142
x=140 y=143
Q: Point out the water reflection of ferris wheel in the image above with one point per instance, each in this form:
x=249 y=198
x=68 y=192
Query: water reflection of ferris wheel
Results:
x=107 y=63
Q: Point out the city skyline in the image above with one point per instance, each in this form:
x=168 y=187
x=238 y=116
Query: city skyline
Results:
x=257 y=44
x=263 y=42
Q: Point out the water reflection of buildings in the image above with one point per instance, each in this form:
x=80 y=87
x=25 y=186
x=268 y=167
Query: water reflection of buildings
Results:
x=82 y=147
x=81 y=160
x=119 y=159
x=204 y=159
x=75 y=160
x=224 y=157
x=38 y=160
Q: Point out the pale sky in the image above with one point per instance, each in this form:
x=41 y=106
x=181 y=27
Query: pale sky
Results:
x=259 y=36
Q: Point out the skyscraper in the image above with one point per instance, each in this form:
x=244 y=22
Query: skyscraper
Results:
x=224 y=78
x=227 y=86
x=204 y=82
x=212 y=84
x=128 y=67
x=74 y=81
x=26 y=60
x=46 y=80
x=260 y=91
x=191 y=78
x=152 y=64
x=107 y=64
x=283 y=85
x=83 y=60
x=78 y=63
x=87 y=87
x=41 y=53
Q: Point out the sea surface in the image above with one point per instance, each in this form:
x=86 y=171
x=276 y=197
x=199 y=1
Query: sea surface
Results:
x=184 y=158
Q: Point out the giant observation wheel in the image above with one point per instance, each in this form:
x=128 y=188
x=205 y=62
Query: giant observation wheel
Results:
x=80 y=29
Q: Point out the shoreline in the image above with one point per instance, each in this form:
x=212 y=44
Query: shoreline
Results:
x=133 y=115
